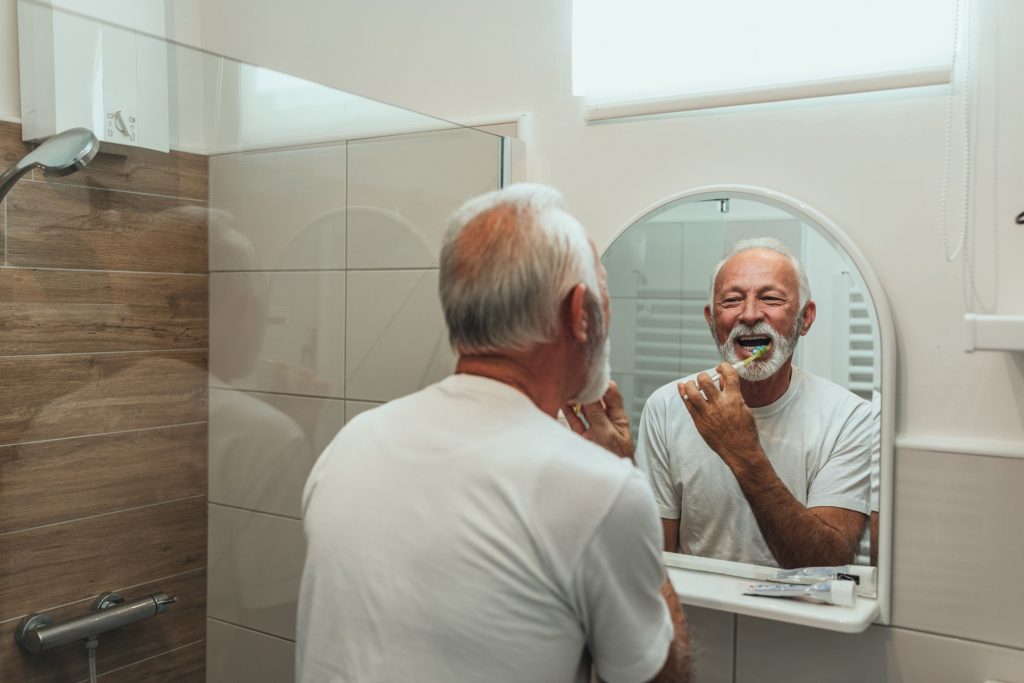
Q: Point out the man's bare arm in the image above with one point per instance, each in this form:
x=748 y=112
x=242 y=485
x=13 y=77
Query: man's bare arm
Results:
x=677 y=666
x=797 y=536
x=670 y=530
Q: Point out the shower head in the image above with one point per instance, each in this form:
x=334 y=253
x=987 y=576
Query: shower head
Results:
x=60 y=155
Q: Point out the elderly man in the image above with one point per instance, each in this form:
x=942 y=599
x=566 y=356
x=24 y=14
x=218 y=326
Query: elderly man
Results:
x=460 y=533
x=773 y=467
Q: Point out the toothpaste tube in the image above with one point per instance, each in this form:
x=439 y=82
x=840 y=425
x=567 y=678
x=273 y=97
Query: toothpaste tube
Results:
x=839 y=592
x=815 y=575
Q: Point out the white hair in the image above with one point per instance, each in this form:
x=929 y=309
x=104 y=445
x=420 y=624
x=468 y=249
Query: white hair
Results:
x=508 y=260
x=770 y=244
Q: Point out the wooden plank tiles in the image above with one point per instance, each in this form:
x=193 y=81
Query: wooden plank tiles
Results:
x=71 y=561
x=184 y=665
x=169 y=639
x=54 y=311
x=11 y=147
x=52 y=481
x=51 y=397
x=176 y=174
x=63 y=226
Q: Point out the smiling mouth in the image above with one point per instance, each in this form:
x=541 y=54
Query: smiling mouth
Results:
x=751 y=342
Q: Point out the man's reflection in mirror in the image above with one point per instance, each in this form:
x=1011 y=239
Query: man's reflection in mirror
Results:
x=773 y=466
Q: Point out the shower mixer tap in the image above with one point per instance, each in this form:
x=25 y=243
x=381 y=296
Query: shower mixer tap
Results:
x=37 y=632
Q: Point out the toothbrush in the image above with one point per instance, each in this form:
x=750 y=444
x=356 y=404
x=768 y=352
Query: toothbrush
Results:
x=758 y=352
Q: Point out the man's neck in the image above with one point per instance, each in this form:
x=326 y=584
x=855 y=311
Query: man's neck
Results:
x=530 y=373
x=767 y=391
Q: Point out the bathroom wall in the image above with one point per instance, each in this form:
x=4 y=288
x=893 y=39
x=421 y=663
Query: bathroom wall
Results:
x=103 y=355
x=874 y=165
x=871 y=163
x=323 y=264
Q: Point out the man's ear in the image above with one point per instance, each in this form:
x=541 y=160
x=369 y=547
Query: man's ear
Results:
x=810 y=311
x=577 y=310
x=707 y=316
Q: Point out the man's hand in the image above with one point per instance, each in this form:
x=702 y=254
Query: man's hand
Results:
x=607 y=420
x=722 y=418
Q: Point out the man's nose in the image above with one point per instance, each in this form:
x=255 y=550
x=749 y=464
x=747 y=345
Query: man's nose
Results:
x=752 y=312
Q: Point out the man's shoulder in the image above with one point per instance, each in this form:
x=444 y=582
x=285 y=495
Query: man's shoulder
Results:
x=665 y=395
x=825 y=392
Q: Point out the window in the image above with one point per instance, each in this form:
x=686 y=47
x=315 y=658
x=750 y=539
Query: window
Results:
x=698 y=53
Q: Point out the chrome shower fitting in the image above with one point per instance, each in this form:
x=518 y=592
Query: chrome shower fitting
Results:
x=60 y=154
x=37 y=632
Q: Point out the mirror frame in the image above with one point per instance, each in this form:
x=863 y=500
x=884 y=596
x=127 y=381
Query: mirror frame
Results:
x=887 y=369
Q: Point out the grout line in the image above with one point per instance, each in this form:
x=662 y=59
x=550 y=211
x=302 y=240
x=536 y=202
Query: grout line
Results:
x=103 y=353
x=96 y=270
x=735 y=644
x=344 y=299
x=101 y=514
x=283 y=393
x=120 y=588
x=277 y=515
x=98 y=435
x=144 y=659
x=397 y=269
x=99 y=188
x=249 y=628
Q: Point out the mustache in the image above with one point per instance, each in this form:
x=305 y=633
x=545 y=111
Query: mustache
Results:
x=759 y=329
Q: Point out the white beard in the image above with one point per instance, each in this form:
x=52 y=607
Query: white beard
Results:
x=599 y=374
x=781 y=349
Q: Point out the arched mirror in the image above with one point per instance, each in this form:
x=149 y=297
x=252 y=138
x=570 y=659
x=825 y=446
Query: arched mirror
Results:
x=660 y=270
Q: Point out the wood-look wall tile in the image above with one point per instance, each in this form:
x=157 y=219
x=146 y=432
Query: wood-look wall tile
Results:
x=63 y=226
x=50 y=397
x=55 y=481
x=184 y=665
x=11 y=150
x=176 y=174
x=68 y=562
x=60 y=311
x=11 y=146
x=164 y=637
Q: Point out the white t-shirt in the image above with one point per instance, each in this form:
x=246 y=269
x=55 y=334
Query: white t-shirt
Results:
x=460 y=534
x=864 y=552
x=817 y=437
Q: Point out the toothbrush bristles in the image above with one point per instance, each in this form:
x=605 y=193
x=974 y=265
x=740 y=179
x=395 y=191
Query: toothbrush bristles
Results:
x=758 y=352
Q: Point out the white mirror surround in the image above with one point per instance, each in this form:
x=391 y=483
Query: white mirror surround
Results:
x=718 y=584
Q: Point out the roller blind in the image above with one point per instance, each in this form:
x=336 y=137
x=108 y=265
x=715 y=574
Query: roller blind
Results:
x=625 y=51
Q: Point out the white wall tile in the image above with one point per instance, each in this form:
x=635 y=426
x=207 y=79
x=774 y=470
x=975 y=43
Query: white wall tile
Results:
x=279 y=332
x=774 y=652
x=402 y=189
x=396 y=339
x=236 y=654
x=255 y=565
x=280 y=209
x=262 y=447
x=622 y=335
x=711 y=644
x=645 y=258
x=957 y=554
x=353 y=408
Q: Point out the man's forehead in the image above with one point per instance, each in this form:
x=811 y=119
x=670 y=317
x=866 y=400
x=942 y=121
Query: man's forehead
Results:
x=759 y=264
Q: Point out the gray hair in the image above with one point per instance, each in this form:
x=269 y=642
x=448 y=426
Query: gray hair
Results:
x=770 y=244
x=508 y=259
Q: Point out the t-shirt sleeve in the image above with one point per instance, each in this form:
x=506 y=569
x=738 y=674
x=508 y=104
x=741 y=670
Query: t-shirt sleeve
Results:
x=844 y=480
x=655 y=461
x=617 y=589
